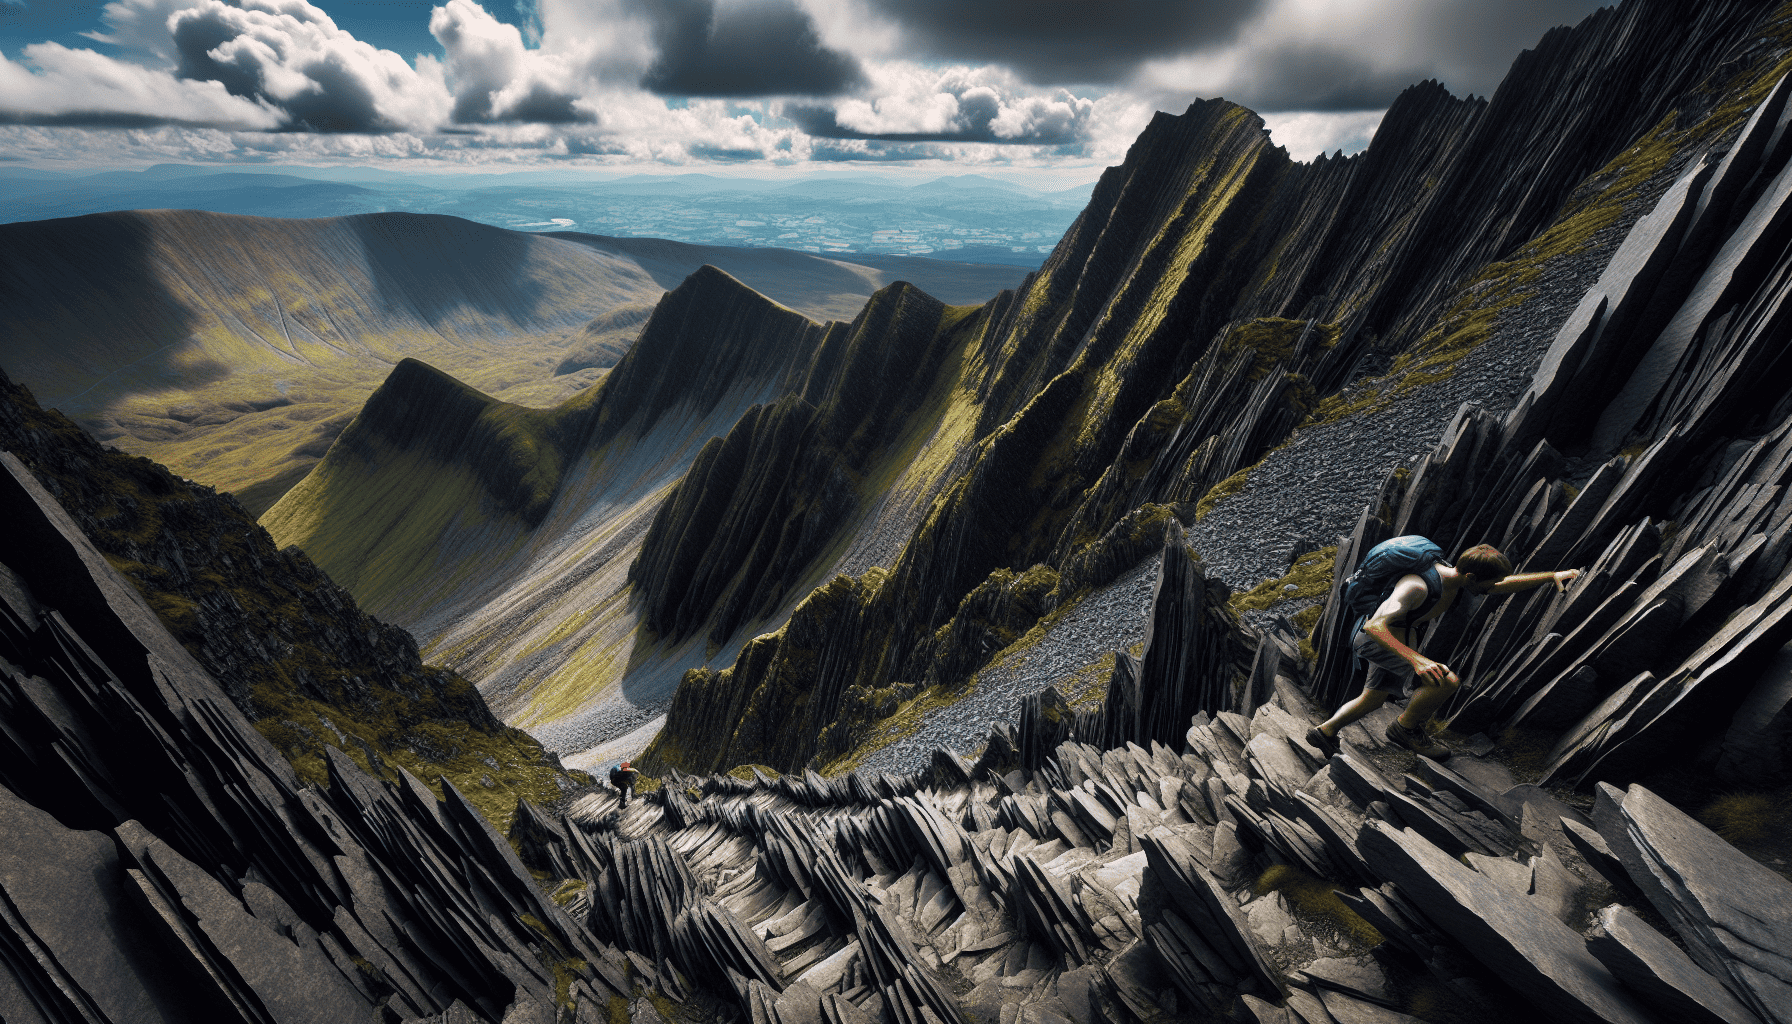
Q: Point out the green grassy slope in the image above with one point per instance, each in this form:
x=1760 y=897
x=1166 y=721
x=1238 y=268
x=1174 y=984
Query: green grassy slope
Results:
x=235 y=349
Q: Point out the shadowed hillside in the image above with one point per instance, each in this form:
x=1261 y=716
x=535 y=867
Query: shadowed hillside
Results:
x=235 y=349
x=284 y=642
x=504 y=536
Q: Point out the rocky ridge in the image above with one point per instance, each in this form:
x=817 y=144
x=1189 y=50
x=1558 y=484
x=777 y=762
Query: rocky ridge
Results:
x=286 y=643
x=1214 y=296
x=161 y=861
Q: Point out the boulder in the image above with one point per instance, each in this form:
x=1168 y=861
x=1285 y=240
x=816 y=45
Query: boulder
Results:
x=1660 y=972
x=1733 y=914
x=1534 y=952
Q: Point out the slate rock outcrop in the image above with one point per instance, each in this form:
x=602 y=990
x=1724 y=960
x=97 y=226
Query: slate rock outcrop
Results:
x=161 y=860
x=1215 y=295
x=1114 y=883
x=284 y=641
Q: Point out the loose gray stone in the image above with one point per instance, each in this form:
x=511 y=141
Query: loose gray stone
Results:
x=1269 y=918
x=1362 y=978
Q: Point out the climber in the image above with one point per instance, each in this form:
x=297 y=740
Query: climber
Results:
x=1381 y=638
x=624 y=778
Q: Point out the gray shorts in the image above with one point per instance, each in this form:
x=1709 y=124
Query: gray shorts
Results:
x=1366 y=648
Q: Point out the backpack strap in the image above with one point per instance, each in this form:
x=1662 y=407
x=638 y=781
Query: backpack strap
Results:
x=1434 y=592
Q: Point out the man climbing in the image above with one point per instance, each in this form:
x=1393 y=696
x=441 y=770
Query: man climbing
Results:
x=623 y=778
x=1420 y=593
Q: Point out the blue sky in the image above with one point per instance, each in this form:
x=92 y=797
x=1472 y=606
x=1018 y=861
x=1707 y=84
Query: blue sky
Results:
x=755 y=86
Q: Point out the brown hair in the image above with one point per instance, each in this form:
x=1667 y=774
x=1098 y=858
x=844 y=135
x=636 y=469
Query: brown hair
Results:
x=1485 y=562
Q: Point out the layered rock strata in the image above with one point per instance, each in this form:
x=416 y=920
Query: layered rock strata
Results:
x=1216 y=295
x=1144 y=881
x=288 y=645
x=161 y=861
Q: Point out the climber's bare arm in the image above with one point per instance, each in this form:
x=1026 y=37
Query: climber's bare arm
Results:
x=1525 y=581
x=1408 y=594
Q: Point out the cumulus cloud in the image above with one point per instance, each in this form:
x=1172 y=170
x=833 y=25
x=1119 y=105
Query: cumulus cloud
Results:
x=290 y=54
x=58 y=85
x=246 y=64
x=742 y=48
x=776 y=81
x=496 y=78
x=914 y=104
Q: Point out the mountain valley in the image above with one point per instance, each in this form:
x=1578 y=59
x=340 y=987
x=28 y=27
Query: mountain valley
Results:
x=234 y=349
x=968 y=632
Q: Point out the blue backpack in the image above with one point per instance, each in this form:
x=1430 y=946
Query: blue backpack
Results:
x=1382 y=567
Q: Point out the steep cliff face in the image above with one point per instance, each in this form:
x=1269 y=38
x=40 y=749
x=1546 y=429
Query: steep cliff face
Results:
x=503 y=535
x=429 y=457
x=1215 y=294
x=757 y=507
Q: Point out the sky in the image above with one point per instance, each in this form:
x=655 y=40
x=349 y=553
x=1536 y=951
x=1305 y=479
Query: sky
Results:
x=720 y=86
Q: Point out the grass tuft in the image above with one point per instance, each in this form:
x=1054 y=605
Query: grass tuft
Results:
x=1741 y=817
x=1317 y=899
x=1311 y=577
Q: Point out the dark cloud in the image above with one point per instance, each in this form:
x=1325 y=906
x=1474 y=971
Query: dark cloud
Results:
x=340 y=103
x=195 y=38
x=544 y=105
x=1473 y=44
x=592 y=147
x=89 y=119
x=1299 y=77
x=764 y=48
x=877 y=151
x=724 y=154
x=1068 y=41
x=338 y=99
x=975 y=123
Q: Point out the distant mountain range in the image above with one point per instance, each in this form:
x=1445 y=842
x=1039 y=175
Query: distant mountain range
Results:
x=967 y=218
x=234 y=349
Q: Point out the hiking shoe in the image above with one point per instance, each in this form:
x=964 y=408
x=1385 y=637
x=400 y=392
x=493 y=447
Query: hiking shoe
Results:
x=1416 y=741
x=1327 y=745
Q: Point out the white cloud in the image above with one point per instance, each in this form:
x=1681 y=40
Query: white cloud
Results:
x=915 y=103
x=572 y=87
x=291 y=53
x=1307 y=134
x=60 y=85
x=496 y=78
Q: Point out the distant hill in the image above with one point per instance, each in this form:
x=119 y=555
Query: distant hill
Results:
x=967 y=218
x=234 y=349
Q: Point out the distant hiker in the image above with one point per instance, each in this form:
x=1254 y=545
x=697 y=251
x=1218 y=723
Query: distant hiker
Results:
x=1399 y=584
x=624 y=778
